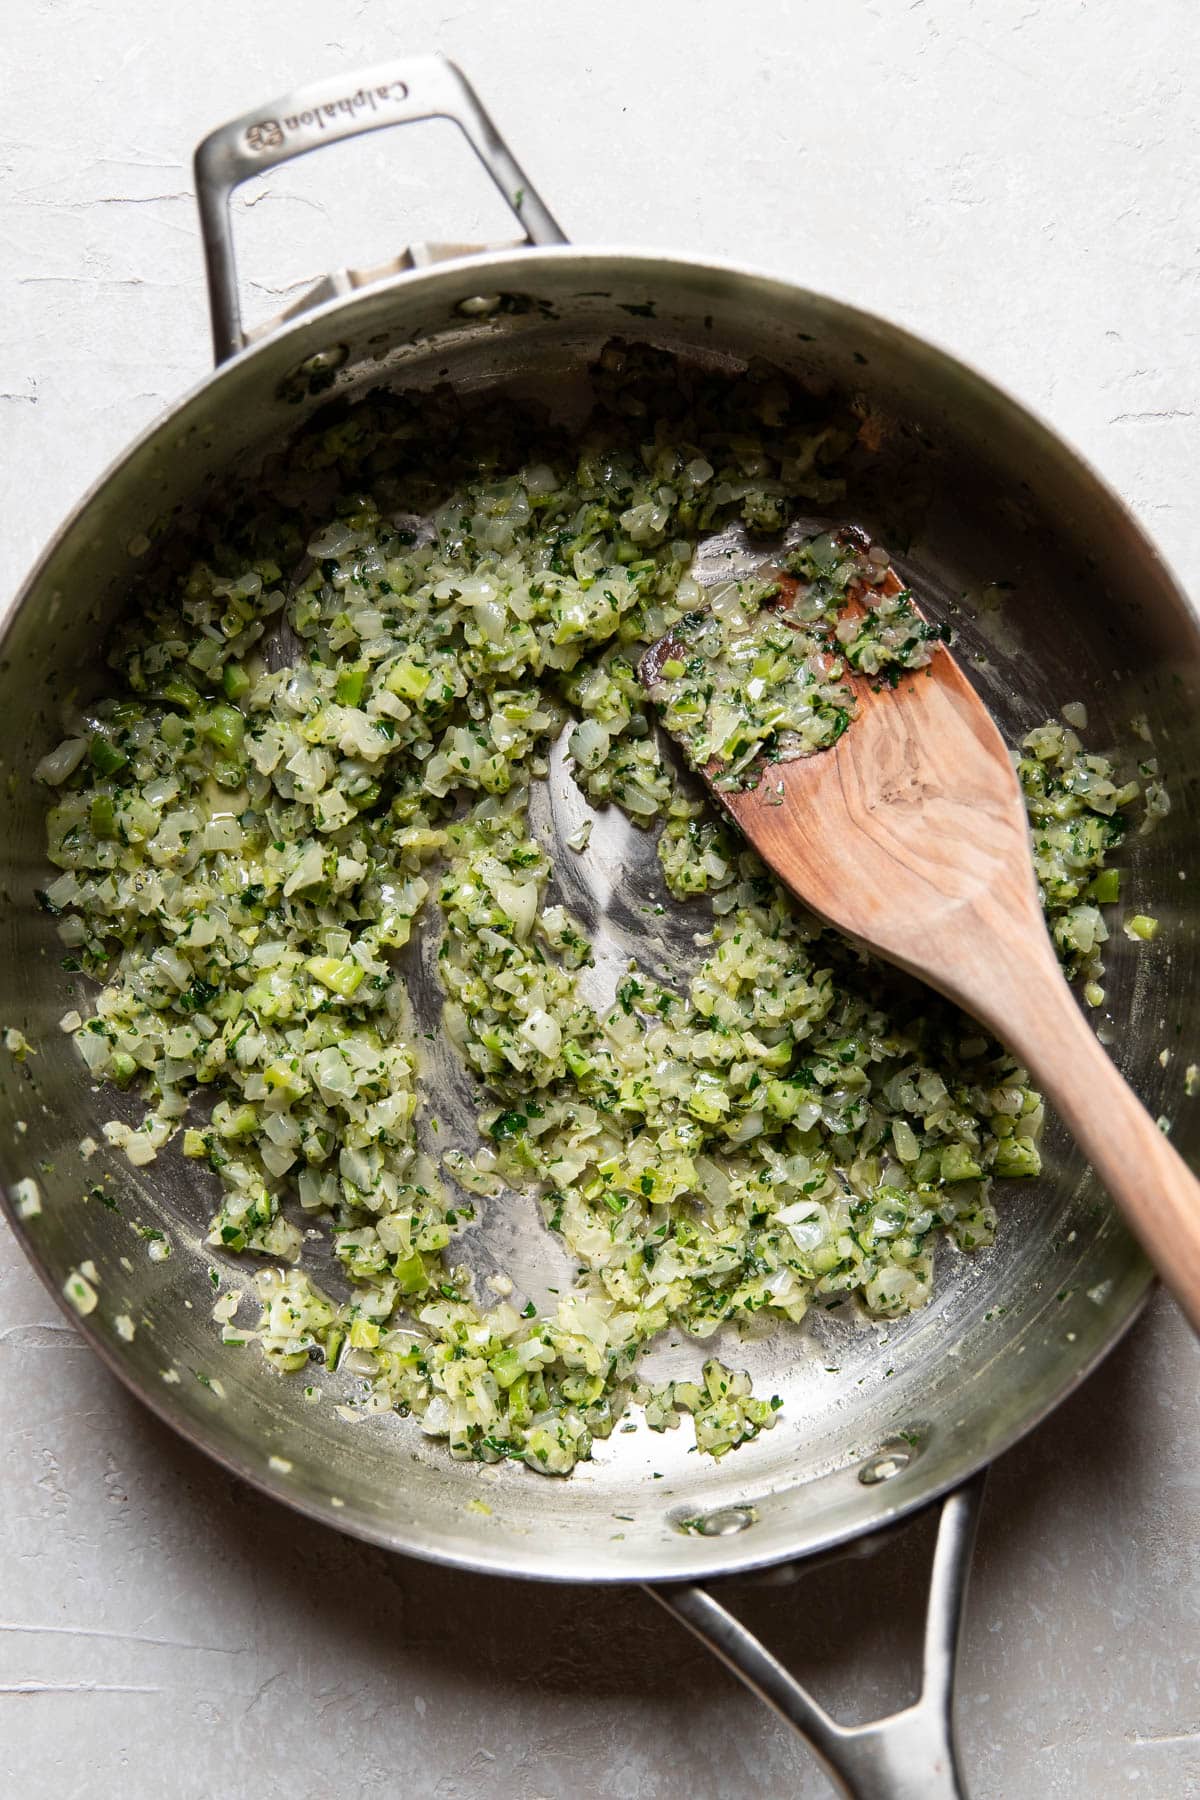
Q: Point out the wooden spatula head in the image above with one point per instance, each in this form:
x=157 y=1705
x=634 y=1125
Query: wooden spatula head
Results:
x=906 y=828
x=909 y=833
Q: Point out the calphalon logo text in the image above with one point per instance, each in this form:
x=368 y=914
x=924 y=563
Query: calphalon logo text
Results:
x=268 y=134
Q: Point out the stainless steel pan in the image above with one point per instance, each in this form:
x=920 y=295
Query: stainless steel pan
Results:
x=1059 y=595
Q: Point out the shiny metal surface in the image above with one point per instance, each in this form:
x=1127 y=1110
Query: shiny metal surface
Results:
x=416 y=88
x=1057 y=595
x=911 y=1754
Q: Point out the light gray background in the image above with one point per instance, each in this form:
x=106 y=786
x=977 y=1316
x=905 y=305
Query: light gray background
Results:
x=1019 y=180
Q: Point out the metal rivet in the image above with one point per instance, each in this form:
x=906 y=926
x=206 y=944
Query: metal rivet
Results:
x=323 y=362
x=881 y=1468
x=889 y=1461
x=725 y=1522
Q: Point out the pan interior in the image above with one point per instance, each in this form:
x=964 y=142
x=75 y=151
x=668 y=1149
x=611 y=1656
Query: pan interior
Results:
x=1056 y=597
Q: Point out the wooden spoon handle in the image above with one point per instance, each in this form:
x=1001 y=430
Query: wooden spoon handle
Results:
x=1148 y=1179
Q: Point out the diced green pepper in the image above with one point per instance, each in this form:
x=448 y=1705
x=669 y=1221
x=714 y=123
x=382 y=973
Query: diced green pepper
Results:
x=1017 y=1156
x=342 y=977
x=506 y=1367
x=349 y=689
x=408 y=679
x=519 y=1409
x=179 y=692
x=411 y=1277
x=285 y=1078
x=959 y=1164
x=223 y=726
x=106 y=757
x=235 y=681
x=1106 y=887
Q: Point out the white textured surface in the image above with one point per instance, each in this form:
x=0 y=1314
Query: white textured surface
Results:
x=1019 y=180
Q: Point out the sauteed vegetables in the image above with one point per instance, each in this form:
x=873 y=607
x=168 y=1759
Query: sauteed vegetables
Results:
x=318 y=741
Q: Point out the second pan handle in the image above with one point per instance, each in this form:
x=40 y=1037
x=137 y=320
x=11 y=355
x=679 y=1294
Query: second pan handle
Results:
x=417 y=87
x=909 y=1755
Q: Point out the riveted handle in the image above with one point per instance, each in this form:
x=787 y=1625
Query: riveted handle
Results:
x=420 y=87
x=909 y=1755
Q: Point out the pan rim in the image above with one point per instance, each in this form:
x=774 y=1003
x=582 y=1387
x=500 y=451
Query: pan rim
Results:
x=707 y=1558
x=527 y=258
x=539 y=1566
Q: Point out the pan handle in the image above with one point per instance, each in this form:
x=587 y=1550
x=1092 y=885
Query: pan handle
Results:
x=908 y=1755
x=417 y=87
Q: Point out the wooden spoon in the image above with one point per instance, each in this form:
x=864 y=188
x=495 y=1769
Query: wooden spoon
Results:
x=910 y=834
